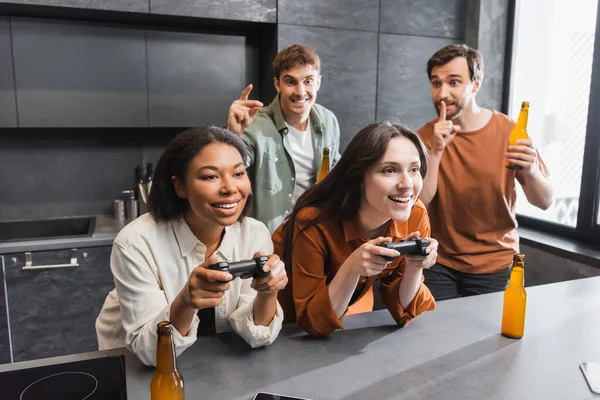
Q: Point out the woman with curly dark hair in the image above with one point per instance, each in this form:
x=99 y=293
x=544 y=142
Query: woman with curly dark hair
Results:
x=199 y=197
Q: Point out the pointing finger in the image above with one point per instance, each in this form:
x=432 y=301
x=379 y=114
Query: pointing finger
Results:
x=246 y=92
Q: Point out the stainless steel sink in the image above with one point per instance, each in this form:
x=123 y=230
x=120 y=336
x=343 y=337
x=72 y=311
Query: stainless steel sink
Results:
x=46 y=228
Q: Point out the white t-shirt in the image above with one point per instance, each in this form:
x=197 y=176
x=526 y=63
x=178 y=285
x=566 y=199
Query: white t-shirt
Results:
x=151 y=262
x=303 y=156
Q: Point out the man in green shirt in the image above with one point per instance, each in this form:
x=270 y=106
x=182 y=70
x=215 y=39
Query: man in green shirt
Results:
x=285 y=140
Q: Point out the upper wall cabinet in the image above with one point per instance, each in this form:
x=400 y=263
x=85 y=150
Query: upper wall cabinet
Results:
x=112 y=5
x=192 y=79
x=79 y=75
x=8 y=108
x=239 y=10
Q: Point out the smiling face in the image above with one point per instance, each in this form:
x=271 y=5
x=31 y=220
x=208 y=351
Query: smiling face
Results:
x=298 y=89
x=451 y=83
x=392 y=185
x=216 y=186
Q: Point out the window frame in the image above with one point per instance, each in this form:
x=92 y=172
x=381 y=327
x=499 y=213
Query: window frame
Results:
x=587 y=229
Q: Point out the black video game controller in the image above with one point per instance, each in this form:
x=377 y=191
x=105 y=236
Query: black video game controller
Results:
x=414 y=246
x=243 y=269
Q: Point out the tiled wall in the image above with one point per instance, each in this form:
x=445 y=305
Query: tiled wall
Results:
x=486 y=30
x=240 y=10
x=374 y=54
x=69 y=172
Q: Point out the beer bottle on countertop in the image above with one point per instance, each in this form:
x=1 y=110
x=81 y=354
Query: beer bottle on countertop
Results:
x=167 y=381
x=324 y=165
x=515 y=301
x=519 y=132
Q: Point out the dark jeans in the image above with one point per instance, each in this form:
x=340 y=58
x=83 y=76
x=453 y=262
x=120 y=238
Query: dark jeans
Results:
x=445 y=283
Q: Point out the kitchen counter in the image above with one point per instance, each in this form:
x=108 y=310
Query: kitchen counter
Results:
x=454 y=352
x=105 y=230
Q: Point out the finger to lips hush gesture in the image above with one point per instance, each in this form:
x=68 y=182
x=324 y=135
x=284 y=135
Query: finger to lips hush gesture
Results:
x=443 y=130
x=205 y=288
x=242 y=112
x=273 y=282
x=422 y=262
x=523 y=154
x=367 y=260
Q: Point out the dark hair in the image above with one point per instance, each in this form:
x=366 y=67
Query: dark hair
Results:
x=293 y=56
x=165 y=204
x=338 y=195
x=444 y=55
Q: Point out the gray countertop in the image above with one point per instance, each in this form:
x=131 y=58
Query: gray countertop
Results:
x=454 y=352
x=105 y=231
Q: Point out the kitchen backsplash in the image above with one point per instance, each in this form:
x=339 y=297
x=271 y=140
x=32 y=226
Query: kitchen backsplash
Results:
x=47 y=173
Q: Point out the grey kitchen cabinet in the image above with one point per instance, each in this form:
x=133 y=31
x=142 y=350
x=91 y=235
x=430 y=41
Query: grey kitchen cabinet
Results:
x=52 y=311
x=192 y=79
x=8 y=104
x=79 y=74
x=4 y=334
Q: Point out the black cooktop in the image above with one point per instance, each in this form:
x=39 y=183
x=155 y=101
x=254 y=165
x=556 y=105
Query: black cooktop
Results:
x=100 y=378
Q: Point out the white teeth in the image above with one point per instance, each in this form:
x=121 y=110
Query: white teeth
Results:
x=229 y=205
x=401 y=199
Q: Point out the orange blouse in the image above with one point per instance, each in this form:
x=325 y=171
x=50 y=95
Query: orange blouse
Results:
x=317 y=255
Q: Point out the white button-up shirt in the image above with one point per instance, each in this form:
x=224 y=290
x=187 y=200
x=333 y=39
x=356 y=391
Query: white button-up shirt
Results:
x=151 y=262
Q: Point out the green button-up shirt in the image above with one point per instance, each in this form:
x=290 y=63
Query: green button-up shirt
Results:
x=271 y=167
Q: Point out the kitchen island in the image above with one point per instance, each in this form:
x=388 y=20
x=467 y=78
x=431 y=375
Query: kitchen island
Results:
x=454 y=352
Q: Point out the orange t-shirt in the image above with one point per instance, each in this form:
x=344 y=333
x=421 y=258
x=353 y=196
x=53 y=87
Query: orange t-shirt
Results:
x=318 y=254
x=473 y=211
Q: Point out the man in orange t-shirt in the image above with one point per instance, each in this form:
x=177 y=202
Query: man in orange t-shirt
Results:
x=469 y=193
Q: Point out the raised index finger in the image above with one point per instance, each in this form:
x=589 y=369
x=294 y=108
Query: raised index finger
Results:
x=246 y=92
x=442 y=111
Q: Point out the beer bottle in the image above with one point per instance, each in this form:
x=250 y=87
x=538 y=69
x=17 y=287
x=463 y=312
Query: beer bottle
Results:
x=515 y=300
x=519 y=132
x=324 y=165
x=167 y=382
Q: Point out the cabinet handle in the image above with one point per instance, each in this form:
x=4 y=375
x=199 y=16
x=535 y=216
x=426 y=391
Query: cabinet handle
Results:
x=29 y=264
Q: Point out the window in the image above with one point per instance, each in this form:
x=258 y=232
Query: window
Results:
x=555 y=64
